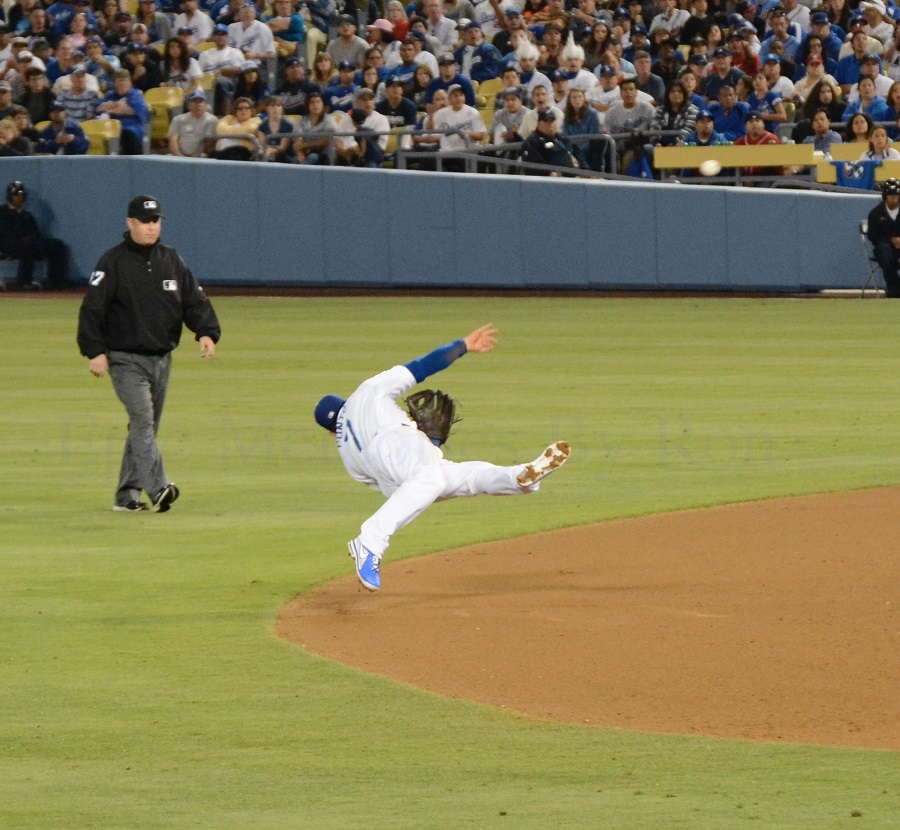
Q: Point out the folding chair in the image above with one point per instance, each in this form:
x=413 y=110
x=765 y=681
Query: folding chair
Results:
x=871 y=262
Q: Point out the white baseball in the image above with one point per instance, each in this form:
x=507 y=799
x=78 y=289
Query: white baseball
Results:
x=710 y=168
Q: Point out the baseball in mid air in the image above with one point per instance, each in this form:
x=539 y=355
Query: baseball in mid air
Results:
x=710 y=168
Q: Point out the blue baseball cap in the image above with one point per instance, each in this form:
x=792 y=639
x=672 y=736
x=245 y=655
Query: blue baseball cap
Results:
x=327 y=411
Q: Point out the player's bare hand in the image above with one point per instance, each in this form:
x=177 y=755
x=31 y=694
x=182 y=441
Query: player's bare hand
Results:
x=207 y=347
x=482 y=340
x=99 y=365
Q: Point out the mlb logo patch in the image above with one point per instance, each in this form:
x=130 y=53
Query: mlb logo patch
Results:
x=97 y=277
x=170 y=285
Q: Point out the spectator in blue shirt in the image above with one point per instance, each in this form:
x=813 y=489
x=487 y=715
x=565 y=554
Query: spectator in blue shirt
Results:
x=729 y=114
x=869 y=103
x=126 y=104
x=62 y=136
x=340 y=96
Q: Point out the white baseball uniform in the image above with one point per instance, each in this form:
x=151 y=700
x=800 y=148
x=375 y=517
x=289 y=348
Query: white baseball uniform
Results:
x=382 y=447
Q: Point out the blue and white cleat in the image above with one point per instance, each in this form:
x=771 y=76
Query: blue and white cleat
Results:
x=549 y=460
x=366 y=565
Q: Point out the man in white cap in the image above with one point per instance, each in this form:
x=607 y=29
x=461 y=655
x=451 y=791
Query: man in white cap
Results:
x=878 y=24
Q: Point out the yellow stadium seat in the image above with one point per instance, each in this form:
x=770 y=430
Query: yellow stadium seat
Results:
x=489 y=90
x=41 y=125
x=203 y=45
x=103 y=135
x=164 y=103
x=207 y=82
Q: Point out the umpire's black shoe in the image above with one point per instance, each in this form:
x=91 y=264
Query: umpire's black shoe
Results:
x=131 y=507
x=164 y=498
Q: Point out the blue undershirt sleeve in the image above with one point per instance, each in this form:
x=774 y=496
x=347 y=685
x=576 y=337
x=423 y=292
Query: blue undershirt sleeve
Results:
x=433 y=362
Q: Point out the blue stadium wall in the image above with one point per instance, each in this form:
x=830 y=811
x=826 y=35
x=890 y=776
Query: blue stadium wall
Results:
x=269 y=224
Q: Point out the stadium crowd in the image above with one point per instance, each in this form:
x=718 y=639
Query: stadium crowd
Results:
x=564 y=83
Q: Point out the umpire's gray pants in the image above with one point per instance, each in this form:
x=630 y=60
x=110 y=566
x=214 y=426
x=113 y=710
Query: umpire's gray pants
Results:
x=141 y=382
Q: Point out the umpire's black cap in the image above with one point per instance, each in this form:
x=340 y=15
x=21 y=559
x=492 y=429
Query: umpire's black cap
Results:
x=144 y=208
x=15 y=188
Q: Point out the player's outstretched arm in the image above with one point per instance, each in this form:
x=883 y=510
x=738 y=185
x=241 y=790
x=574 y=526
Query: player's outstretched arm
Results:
x=481 y=340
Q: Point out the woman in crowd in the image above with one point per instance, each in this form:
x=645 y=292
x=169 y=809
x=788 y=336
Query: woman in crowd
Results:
x=868 y=102
x=274 y=133
x=858 y=128
x=159 y=27
x=324 y=72
x=675 y=113
x=371 y=80
x=812 y=47
x=879 y=147
x=421 y=78
x=582 y=119
x=893 y=102
x=596 y=43
x=78 y=30
x=251 y=85
x=767 y=103
x=396 y=13
x=815 y=73
x=179 y=68
x=824 y=95
x=313 y=144
x=242 y=122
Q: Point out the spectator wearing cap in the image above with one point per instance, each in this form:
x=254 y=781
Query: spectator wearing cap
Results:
x=821 y=27
x=723 y=73
x=145 y=74
x=199 y=22
x=871 y=68
x=438 y=25
x=79 y=99
x=159 y=27
x=287 y=27
x=878 y=24
x=849 y=68
x=729 y=114
x=743 y=47
x=253 y=38
x=815 y=72
x=508 y=119
x=37 y=96
x=560 y=89
x=606 y=93
x=340 y=97
x=63 y=136
x=252 y=86
x=510 y=31
x=381 y=37
x=704 y=134
x=126 y=104
x=640 y=41
x=224 y=61
x=670 y=18
x=668 y=63
x=813 y=47
x=544 y=146
x=16 y=77
x=645 y=80
x=296 y=88
x=118 y=39
x=778 y=82
x=789 y=44
x=872 y=44
x=868 y=102
x=399 y=110
x=448 y=75
x=463 y=123
x=551 y=48
x=99 y=65
x=476 y=58
x=757 y=135
x=361 y=149
x=697 y=23
x=347 y=46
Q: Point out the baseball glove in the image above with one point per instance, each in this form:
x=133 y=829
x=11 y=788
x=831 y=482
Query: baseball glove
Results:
x=434 y=413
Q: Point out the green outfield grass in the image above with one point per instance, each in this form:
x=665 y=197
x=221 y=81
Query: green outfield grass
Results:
x=141 y=685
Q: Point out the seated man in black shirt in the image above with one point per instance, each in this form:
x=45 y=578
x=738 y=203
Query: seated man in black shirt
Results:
x=884 y=234
x=544 y=146
x=20 y=238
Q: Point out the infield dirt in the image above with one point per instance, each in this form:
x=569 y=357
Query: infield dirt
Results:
x=774 y=621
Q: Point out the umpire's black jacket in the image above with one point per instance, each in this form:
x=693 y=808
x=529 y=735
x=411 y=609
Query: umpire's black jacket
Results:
x=137 y=301
x=881 y=226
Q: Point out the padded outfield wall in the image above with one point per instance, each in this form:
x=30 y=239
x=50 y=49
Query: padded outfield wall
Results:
x=271 y=224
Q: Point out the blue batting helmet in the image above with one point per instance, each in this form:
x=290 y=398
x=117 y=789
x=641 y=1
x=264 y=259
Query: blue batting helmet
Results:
x=327 y=411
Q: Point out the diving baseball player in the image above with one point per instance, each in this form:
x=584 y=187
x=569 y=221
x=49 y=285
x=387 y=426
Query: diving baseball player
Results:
x=401 y=456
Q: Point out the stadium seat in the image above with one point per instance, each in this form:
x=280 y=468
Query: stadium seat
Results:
x=489 y=90
x=164 y=102
x=103 y=136
x=41 y=125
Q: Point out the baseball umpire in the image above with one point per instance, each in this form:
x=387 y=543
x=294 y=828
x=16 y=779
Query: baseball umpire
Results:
x=884 y=234
x=401 y=456
x=140 y=295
